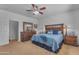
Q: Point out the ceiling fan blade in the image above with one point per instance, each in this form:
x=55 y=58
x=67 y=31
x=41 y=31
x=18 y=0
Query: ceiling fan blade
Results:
x=29 y=10
x=42 y=8
x=36 y=6
x=33 y=5
x=41 y=13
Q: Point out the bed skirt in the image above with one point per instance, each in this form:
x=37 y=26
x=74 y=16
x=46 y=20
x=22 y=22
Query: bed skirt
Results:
x=46 y=47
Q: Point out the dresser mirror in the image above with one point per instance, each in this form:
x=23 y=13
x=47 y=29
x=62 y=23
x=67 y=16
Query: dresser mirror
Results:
x=27 y=26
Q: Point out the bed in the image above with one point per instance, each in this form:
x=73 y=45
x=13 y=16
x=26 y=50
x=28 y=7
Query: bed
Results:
x=51 y=40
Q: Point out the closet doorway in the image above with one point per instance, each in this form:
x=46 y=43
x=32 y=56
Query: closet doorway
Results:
x=13 y=30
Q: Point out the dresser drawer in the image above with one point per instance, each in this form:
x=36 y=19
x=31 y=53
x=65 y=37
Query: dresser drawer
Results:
x=70 y=42
x=70 y=39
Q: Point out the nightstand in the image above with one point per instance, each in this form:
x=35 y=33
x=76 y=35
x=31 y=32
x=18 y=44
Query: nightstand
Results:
x=72 y=40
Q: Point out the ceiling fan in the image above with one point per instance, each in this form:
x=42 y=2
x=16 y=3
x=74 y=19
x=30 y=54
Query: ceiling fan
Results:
x=36 y=10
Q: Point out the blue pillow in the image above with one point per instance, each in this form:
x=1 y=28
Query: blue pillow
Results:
x=55 y=32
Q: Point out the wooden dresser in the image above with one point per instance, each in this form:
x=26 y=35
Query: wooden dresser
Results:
x=27 y=35
x=72 y=40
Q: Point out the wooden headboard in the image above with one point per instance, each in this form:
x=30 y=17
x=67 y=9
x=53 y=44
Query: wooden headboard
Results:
x=59 y=27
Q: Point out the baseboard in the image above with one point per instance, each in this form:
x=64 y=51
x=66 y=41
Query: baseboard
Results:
x=4 y=43
x=13 y=39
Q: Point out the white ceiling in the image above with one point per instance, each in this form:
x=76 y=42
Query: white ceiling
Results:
x=51 y=9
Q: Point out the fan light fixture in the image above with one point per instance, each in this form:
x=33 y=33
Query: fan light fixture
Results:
x=36 y=10
x=36 y=13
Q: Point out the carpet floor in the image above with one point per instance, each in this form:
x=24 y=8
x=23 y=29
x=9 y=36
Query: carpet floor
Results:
x=28 y=48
